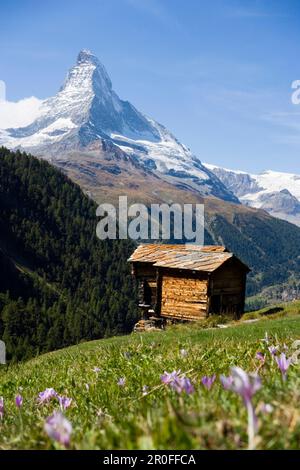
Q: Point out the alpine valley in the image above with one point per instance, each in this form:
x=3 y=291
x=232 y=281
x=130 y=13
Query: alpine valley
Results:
x=110 y=148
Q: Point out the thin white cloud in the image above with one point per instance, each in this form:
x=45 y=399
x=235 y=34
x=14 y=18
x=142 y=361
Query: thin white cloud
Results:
x=158 y=10
x=247 y=13
x=286 y=119
x=20 y=113
x=254 y=9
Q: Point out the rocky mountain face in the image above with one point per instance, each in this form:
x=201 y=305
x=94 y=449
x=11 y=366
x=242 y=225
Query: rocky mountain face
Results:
x=87 y=114
x=277 y=193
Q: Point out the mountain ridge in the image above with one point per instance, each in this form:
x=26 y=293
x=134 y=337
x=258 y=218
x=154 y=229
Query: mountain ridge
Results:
x=276 y=192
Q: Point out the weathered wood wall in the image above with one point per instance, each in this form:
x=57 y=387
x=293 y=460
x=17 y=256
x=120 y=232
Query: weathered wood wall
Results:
x=183 y=297
x=228 y=282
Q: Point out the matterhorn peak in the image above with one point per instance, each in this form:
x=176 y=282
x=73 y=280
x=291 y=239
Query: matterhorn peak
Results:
x=86 y=56
x=87 y=77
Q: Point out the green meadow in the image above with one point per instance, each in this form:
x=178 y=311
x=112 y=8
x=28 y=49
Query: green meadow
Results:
x=144 y=413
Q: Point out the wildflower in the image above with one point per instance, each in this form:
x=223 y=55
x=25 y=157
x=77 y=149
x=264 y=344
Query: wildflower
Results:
x=178 y=383
x=58 y=428
x=47 y=395
x=19 y=401
x=64 y=402
x=208 y=381
x=168 y=378
x=121 y=382
x=1 y=407
x=172 y=379
x=183 y=353
x=283 y=364
x=261 y=357
x=145 y=390
x=246 y=385
x=96 y=370
x=187 y=386
x=273 y=350
x=226 y=381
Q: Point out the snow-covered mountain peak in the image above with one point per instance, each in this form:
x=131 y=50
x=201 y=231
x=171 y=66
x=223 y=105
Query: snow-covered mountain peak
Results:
x=88 y=76
x=87 y=110
x=85 y=55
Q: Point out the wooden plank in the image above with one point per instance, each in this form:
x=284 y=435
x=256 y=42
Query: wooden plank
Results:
x=182 y=316
x=183 y=297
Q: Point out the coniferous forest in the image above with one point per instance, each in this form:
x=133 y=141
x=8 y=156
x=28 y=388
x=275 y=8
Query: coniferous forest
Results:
x=59 y=284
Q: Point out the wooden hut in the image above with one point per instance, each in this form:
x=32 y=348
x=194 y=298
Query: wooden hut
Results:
x=188 y=282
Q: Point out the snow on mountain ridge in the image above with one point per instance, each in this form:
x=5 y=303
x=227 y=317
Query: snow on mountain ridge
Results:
x=268 y=180
x=274 y=191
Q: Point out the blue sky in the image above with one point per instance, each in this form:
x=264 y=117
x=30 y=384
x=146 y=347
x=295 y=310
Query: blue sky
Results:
x=217 y=73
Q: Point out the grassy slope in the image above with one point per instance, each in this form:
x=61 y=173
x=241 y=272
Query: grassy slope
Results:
x=105 y=415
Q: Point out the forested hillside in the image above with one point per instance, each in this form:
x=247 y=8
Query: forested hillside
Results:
x=269 y=246
x=59 y=284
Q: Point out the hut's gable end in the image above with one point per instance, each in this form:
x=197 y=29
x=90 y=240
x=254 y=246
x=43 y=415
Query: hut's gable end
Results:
x=143 y=270
x=183 y=297
x=227 y=288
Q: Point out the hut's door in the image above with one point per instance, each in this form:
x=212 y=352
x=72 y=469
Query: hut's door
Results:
x=215 y=306
x=147 y=291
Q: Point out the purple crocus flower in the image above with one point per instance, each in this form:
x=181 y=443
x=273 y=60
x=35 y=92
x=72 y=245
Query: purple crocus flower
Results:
x=187 y=386
x=1 y=407
x=145 y=389
x=58 y=428
x=121 y=382
x=273 y=350
x=283 y=364
x=47 y=395
x=64 y=402
x=226 y=382
x=177 y=382
x=172 y=379
x=19 y=401
x=167 y=377
x=246 y=385
x=96 y=370
x=260 y=356
x=207 y=381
